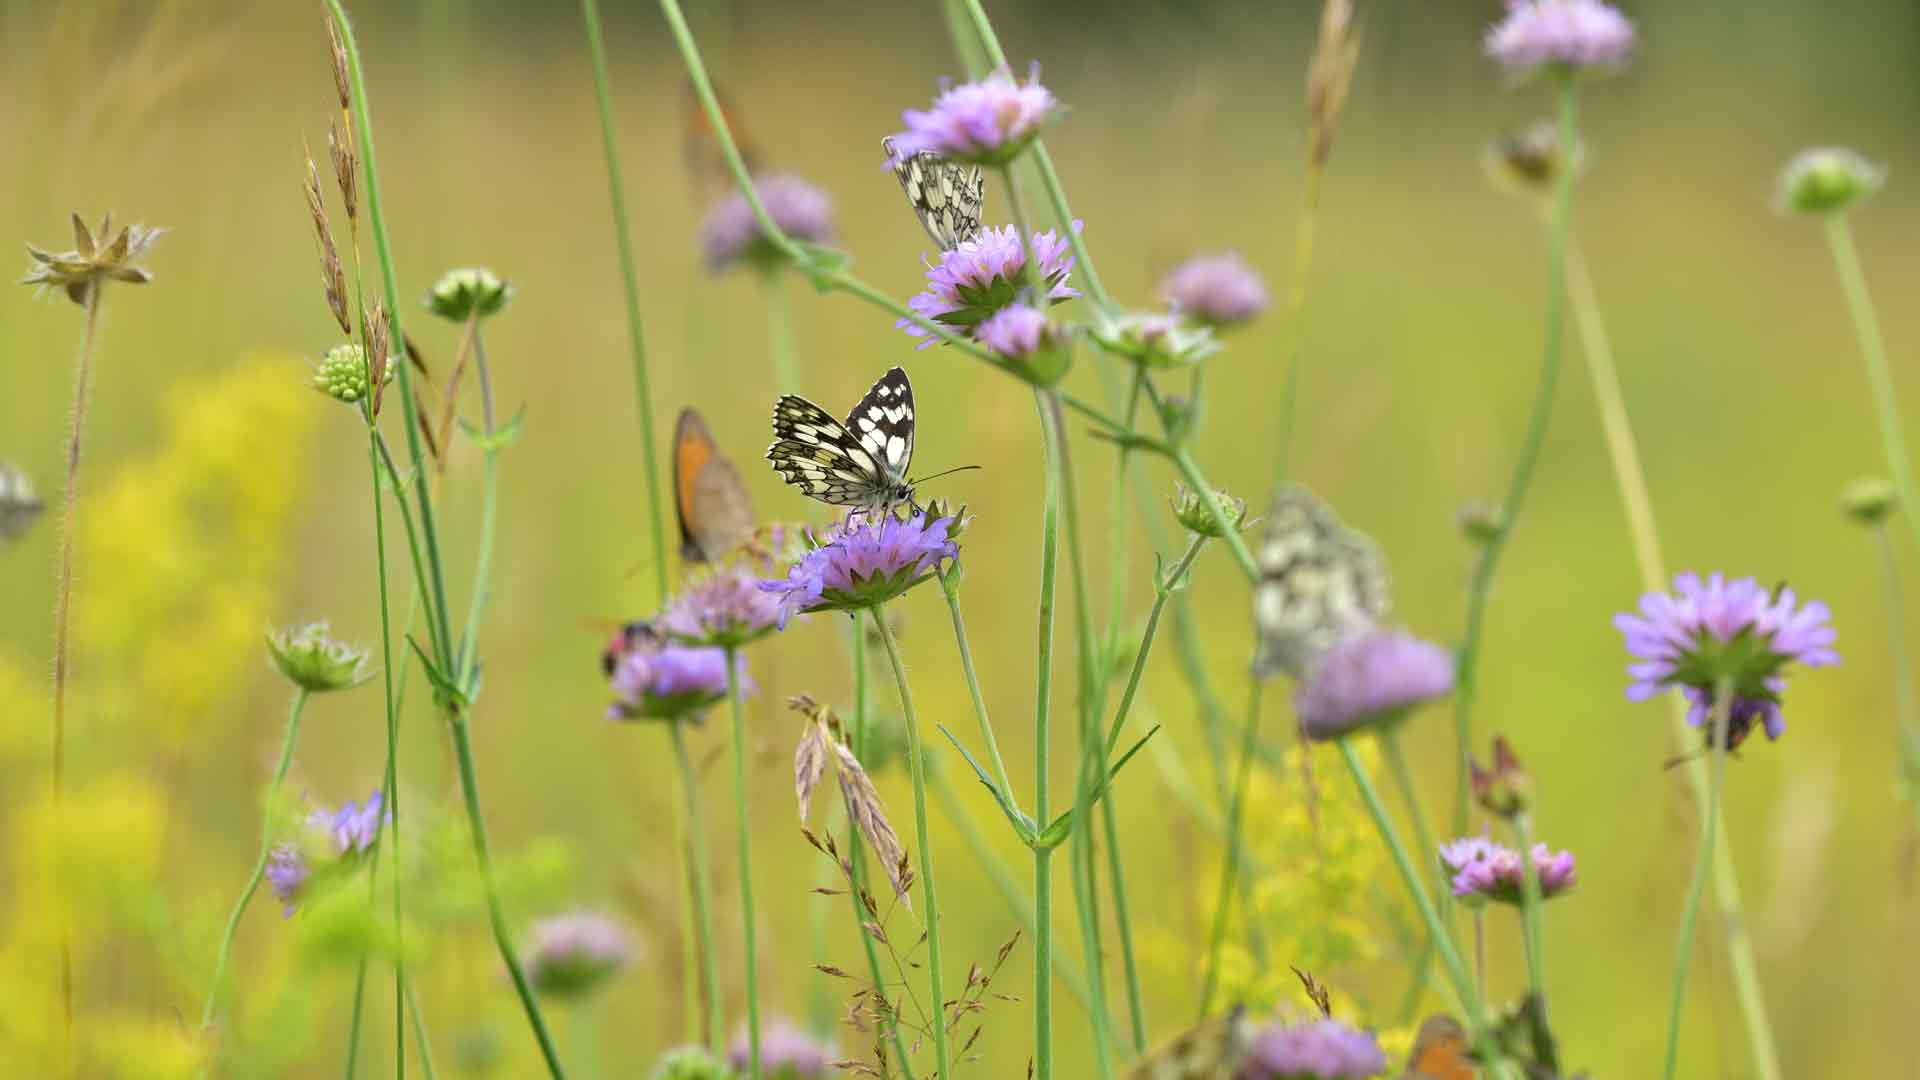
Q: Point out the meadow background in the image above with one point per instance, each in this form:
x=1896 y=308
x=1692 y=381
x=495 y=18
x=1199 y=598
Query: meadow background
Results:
x=224 y=497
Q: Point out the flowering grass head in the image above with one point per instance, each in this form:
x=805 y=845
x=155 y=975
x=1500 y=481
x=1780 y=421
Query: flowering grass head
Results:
x=1218 y=290
x=1483 y=871
x=1713 y=630
x=865 y=563
x=1319 y=1050
x=658 y=680
x=727 y=609
x=988 y=122
x=982 y=276
x=574 y=954
x=1373 y=677
x=786 y=1053
x=730 y=234
x=1570 y=35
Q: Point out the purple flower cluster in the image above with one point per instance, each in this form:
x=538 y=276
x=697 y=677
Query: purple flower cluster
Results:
x=287 y=871
x=1373 y=676
x=1571 y=33
x=659 y=681
x=727 y=609
x=575 y=952
x=1015 y=331
x=353 y=827
x=981 y=276
x=786 y=1053
x=986 y=122
x=1219 y=290
x=1708 y=631
x=1485 y=871
x=1321 y=1050
x=730 y=233
x=864 y=563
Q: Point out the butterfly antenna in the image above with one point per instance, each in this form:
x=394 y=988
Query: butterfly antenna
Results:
x=948 y=472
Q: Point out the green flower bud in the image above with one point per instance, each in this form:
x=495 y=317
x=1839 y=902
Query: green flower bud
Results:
x=342 y=375
x=1480 y=522
x=1192 y=512
x=469 y=292
x=1868 y=500
x=1826 y=179
x=315 y=662
x=690 y=1063
x=1155 y=339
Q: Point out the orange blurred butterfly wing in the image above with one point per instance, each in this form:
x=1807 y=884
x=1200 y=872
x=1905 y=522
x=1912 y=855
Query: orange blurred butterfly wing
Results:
x=709 y=498
x=705 y=161
x=1440 y=1052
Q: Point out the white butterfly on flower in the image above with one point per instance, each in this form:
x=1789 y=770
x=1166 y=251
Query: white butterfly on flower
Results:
x=1320 y=583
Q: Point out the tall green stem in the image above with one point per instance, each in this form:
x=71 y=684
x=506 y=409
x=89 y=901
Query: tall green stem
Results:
x=489 y=517
x=1423 y=836
x=260 y=864
x=780 y=338
x=744 y=831
x=696 y=858
x=1530 y=446
x=1906 y=709
x=917 y=761
x=1236 y=816
x=860 y=915
x=1168 y=585
x=950 y=588
x=1873 y=352
x=1530 y=905
x=1293 y=330
x=1683 y=952
x=1043 y=709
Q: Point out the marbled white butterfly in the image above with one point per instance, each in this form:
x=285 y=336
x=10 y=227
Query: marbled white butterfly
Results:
x=861 y=463
x=946 y=196
x=1215 y=1050
x=18 y=504
x=1320 y=583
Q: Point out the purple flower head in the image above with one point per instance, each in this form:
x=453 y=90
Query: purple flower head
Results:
x=983 y=123
x=1485 y=871
x=865 y=563
x=1219 y=290
x=1321 y=1050
x=975 y=280
x=730 y=233
x=786 y=1053
x=727 y=609
x=1023 y=335
x=352 y=828
x=1372 y=677
x=576 y=952
x=655 y=680
x=1707 y=631
x=287 y=870
x=1573 y=34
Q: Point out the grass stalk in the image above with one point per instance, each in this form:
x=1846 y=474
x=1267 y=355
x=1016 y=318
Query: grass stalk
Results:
x=744 y=831
x=861 y=713
x=1710 y=819
x=1230 y=867
x=780 y=336
x=697 y=879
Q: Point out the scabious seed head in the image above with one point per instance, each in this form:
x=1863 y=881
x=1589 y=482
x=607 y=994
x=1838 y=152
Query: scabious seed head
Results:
x=1528 y=161
x=727 y=609
x=1868 y=500
x=1023 y=337
x=655 y=680
x=1710 y=630
x=1155 y=339
x=865 y=563
x=1196 y=517
x=982 y=276
x=1483 y=871
x=1218 y=290
x=314 y=661
x=988 y=122
x=787 y=1052
x=731 y=235
x=1373 y=677
x=1827 y=179
x=98 y=256
x=342 y=374
x=575 y=953
x=1317 y=1050
x=471 y=292
x=1570 y=35
x=690 y=1063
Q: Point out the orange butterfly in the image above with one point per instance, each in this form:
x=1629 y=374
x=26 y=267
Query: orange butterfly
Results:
x=1440 y=1052
x=709 y=498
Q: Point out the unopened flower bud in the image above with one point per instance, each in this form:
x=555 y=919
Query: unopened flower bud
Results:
x=1826 y=179
x=1156 y=339
x=1528 y=162
x=1481 y=522
x=1505 y=789
x=1868 y=500
x=1193 y=512
x=316 y=662
x=343 y=374
x=472 y=292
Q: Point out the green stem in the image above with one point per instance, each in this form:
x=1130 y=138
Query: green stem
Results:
x=1043 y=709
x=1530 y=905
x=1906 y=712
x=1236 y=817
x=1166 y=587
x=266 y=851
x=860 y=914
x=463 y=672
x=1293 y=331
x=917 y=760
x=630 y=282
x=1873 y=352
x=1529 y=456
x=420 y=1032
x=1683 y=952
x=950 y=588
x=1396 y=757
x=973 y=57
x=744 y=830
x=353 y=1020
x=696 y=856
x=780 y=337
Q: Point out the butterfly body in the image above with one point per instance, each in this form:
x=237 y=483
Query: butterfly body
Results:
x=709 y=498
x=860 y=462
x=1320 y=583
x=629 y=636
x=946 y=196
x=1214 y=1050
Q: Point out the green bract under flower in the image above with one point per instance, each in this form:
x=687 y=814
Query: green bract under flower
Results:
x=472 y=292
x=315 y=662
x=1155 y=339
x=1193 y=513
x=342 y=375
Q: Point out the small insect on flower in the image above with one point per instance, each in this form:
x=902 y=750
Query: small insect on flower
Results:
x=710 y=500
x=861 y=463
x=19 y=506
x=948 y=198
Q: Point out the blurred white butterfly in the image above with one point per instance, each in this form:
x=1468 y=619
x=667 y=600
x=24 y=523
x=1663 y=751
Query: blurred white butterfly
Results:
x=18 y=504
x=1320 y=583
x=946 y=196
x=1215 y=1050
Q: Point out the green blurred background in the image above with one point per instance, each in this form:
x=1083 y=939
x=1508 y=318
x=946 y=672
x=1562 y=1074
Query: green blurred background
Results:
x=227 y=506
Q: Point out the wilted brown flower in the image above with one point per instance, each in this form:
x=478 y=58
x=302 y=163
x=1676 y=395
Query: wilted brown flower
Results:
x=1504 y=789
x=332 y=278
x=339 y=54
x=97 y=255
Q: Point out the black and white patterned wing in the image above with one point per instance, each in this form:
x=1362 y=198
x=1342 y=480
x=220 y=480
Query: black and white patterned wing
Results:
x=946 y=196
x=883 y=423
x=1320 y=583
x=817 y=454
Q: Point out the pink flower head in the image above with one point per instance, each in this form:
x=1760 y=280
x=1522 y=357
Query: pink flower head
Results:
x=1374 y=676
x=1219 y=290
x=730 y=233
x=1485 y=871
x=982 y=276
x=984 y=123
x=728 y=609
x=1573 y=34
x=864 y=563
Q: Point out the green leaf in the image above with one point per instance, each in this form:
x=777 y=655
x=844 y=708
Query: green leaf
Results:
x=445 y=694
x=1022 y=824
x=1061 y=827
x=503 y=436
x=822 y=264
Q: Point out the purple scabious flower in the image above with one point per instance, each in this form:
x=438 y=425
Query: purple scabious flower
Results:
x=1218 y=290
x=864 y=564
x=730 y=233
x=1321 y=1050
x=353 y=827
x=1713 y=630
x=975 y=280
x=786 y=1053
x=655 y=680
x=576 y=952
x=1571 y=34
x=728 y=609
x=1485 y=871
x=1023 y=337
x=287 y=870
x=1371 y=677
x=983 y=123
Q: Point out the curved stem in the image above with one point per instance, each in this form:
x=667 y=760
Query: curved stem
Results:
x=743 y=830
x=950 y=588
x=1167 y=587
x=856 y=894
x=1236 y=813
x=260 y=864
x=696 y=856
x=420 y=1032
x=917 y=760
x=1529 y=456
x=1683 y=952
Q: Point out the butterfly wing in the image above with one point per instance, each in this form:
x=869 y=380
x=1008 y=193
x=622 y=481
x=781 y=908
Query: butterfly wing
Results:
x=883 y=422
x=817 y=454
x=946 y=196
x=706 y=162
x=1320 y=583
x=709 y=498
x=1440 y=1052
x=1215 y=1050
x=18 y=504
